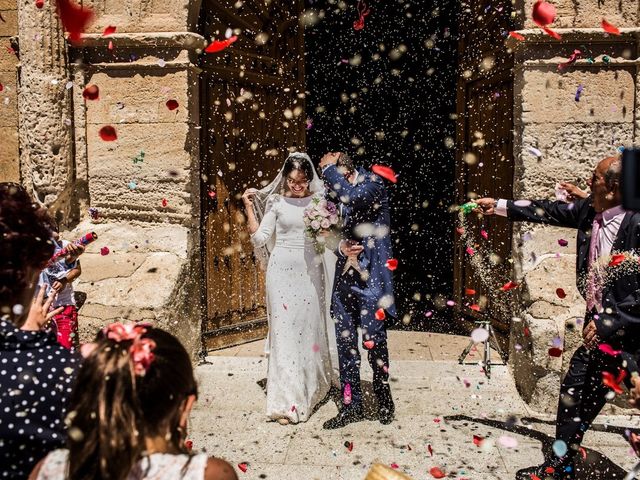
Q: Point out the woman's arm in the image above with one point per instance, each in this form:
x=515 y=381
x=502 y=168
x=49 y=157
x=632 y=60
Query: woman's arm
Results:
x=265 y=230
x=247 y=199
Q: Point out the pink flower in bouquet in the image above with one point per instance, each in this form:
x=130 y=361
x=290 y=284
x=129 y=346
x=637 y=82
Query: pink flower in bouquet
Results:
x=325 y=223
x=315 y=225
x=333 y=219
x=333 y=210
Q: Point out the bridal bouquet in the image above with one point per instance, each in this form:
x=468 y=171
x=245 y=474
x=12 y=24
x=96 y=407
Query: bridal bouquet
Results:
x=319 y=218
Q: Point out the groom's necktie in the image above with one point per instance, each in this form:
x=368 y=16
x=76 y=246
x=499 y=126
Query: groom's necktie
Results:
x=594 y=280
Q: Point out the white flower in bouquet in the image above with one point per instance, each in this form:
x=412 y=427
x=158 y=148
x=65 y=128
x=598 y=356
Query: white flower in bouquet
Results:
x=319 y=217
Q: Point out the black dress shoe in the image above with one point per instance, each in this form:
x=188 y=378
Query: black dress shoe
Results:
x=386 y=406
x=346 y=416
x=547 y=471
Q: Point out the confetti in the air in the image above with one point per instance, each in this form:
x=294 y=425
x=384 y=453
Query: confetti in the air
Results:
x=517 y=36
x=392 y=264
x=612 y=381
x=243 y=467
x=108 y=133
x=380 y=315
x=108 y=30
x=363 y=11
x=435 y=472
x=579 y=92
x=571 y=60
x=561 y=293
x=562 y=242
x=608 y=349
x=172 y=104
x=104 y=251
x=91 y=92
x=385 y=172
x=74 y=18
x=219 y=45
x=610 y=28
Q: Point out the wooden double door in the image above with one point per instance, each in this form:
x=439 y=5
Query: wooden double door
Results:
x=252 y=114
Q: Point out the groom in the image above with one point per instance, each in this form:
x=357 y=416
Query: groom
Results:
x=363 y=289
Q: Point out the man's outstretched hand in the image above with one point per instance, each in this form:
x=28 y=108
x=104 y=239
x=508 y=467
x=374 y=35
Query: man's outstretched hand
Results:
x=486 y=206
x=329 y=159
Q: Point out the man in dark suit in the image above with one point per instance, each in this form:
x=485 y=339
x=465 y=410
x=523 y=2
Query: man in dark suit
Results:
x=362 y=294
x=611 y=290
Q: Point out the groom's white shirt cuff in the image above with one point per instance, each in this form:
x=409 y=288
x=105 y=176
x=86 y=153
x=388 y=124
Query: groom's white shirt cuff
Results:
x=501 y=207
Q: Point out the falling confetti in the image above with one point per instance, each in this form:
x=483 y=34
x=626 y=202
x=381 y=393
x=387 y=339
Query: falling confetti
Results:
x=392 y=264
x=39 y=3
x=560 y=293
x=188 y=444
x=346 y=395
x=91 y=92
x=613 y=382
x=104 y=251
x=562 y=242
x=477 y=440
x=385 y=172
x=369 y=344
x=609 y=28
x=555 y=352
x=164 y=202
x=108 y=133
x=517 y=36
x=219 y=45
x=74 y=18
x=363 y=11
x=243 y=467
x=380 y=315
x=348 y=445
x=579 y=92
x=534 y=151
x=469 y=291
x=172 y=104
x=572 y=59
x=108 y=30
x=608 y=349
x=435 y=472
x=544 y=14
x=616 y=259
x=559 y=448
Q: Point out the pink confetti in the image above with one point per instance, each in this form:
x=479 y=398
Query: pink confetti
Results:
x=484 y=234
x=104 y=251
x=562 y=242
x=346 y=395
x=608 y=349
x=470 y=251
x=315 y=347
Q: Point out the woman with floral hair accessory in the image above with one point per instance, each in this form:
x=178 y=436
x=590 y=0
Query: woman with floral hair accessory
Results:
x=128 y=413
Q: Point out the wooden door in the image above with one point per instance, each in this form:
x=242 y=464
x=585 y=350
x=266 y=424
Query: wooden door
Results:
x=252 y=104
x=485 y=165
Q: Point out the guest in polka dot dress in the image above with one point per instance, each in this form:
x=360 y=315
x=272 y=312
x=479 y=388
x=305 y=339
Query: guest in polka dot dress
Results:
x=36 y=373
x=128 y=414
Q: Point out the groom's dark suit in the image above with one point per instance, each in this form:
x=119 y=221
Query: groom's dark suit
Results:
x=358 y=295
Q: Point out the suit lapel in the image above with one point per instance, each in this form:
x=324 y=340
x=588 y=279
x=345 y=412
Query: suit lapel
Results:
x=621 y=238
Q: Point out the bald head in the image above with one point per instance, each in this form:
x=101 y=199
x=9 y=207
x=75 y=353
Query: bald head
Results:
x=605 y=184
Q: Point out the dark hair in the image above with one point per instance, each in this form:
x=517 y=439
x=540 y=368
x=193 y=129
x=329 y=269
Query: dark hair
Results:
x=25 y=248
x=112 y=410
x=345 y=162
x=297 y=162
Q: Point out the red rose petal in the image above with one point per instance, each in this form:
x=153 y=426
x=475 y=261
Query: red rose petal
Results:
x=616 y=259
x=608 y=349
x=110 y=46
x=484 y=234
x=369 y=344
x=74 y=18
x=380 y=315
x=517 y=36
x=39 y=3
x=219 y=45
x=469 y=291
x=475 y=308
x=560 y=293
x=108 y=30
x=91 y=92
x=555 y=352
x=385 y=172
x=172 y=104
x=437 y=473
x=164 y=202
x=609 y=28
x=395 y=466
x=188 y=444
x=349 y=445
x=243 y=467
x=477 y=440
x=104 y=251
x=543 y=13
x=392 y=264
x=509 y=286
x=1 y=87
x=551 y=33
x=562 y=242
x=460 y=230
x=108 y=133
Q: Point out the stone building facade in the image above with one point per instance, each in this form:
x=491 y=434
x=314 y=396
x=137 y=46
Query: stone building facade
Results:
x=146 y=185
x=572 y=135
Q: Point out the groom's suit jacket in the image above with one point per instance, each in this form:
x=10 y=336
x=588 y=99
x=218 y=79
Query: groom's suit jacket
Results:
x=619 y=323
x=365 y=216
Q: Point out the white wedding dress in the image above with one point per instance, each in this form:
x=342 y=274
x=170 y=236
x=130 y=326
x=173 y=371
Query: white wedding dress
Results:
x=299 y=367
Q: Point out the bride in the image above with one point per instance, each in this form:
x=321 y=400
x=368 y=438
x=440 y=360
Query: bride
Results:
x=299 y=368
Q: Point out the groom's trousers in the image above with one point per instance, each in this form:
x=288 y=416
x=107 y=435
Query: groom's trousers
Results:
x=352 y=308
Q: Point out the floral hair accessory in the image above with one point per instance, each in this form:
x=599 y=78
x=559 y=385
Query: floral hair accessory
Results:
x=141 y=349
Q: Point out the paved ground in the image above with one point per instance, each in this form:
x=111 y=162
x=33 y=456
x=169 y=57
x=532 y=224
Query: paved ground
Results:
x=439 y=404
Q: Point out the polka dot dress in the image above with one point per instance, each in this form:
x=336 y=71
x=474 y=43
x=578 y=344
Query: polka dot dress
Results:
x=36 y=379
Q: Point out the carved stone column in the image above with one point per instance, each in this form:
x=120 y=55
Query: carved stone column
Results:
x=45 y=110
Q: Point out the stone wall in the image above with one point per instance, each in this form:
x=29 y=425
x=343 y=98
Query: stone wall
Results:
x=572 y=137
x=144 y=186
x=9 y=165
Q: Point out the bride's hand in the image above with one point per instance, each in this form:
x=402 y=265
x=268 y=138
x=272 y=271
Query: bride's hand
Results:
x=247 y=196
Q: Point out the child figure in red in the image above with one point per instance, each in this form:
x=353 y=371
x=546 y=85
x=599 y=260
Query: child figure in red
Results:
x=58 y=277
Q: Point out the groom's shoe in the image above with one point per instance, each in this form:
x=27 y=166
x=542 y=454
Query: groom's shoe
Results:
x=346 y=416
x=385 y=403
